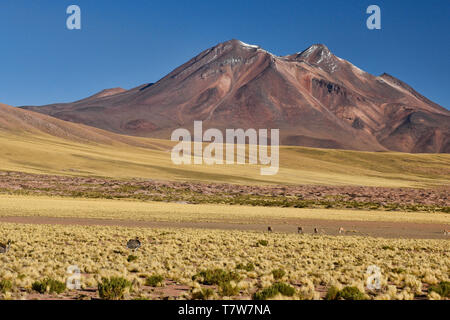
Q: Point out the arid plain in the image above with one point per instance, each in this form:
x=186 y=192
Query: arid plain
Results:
x=74 y=195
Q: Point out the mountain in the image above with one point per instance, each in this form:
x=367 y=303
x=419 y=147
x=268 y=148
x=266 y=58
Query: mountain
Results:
x=36 y=143
x=315 y=98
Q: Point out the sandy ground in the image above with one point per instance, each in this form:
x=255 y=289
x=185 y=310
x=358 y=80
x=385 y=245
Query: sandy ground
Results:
x=326 y=227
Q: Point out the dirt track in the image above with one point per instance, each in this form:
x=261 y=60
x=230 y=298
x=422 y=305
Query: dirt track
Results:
x=326 y=227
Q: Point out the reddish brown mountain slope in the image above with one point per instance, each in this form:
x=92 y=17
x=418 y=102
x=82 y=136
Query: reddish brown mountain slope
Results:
x=22 y=122
x=315 y=98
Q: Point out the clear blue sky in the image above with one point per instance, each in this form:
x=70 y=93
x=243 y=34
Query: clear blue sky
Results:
x=128 y=43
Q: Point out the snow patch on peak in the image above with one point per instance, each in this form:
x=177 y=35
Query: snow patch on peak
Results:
x=258 y=48
x=315 y=47
x=306 y=53
x=321 y=56
x=324 y=55
x=250 y=46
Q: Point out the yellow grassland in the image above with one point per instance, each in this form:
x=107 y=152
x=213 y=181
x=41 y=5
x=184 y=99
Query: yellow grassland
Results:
x=311 y=262
x=150 y=158
x=42 y=206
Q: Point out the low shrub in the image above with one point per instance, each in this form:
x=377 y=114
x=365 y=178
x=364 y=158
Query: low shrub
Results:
x=113 y=288
x=154 y=280
x=248 y=267
x=49 y=285
x=398 y=270
x=215 y=276
x=275 y=289
x=202 y=294
x=332 y=293
x=278 y=274
x=263 y=243
x=131 y=258
x=351 y=293
x=226 y=289
x=443 y=289
x=445 y=209
x=5 y=286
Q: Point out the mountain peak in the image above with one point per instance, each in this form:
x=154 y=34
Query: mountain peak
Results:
x=315 y=98
x=315 y=49
x=318 y=55
x=238 y=44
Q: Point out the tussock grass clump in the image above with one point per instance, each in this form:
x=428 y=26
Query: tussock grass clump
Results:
x=202 y=294
x=49 y=285
x=350 y=293
x=226 y=289
x=445 y=209
x=263 y=243
x=398 y=270
x=154 y=280
x=442 y=289
x=222 y=278
x=247 y=267
x=275 y=289
x=132 y=258
x=278 y=274
x=215 y=276
x=5 y=286
x=113 y=288
x=332 y=293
